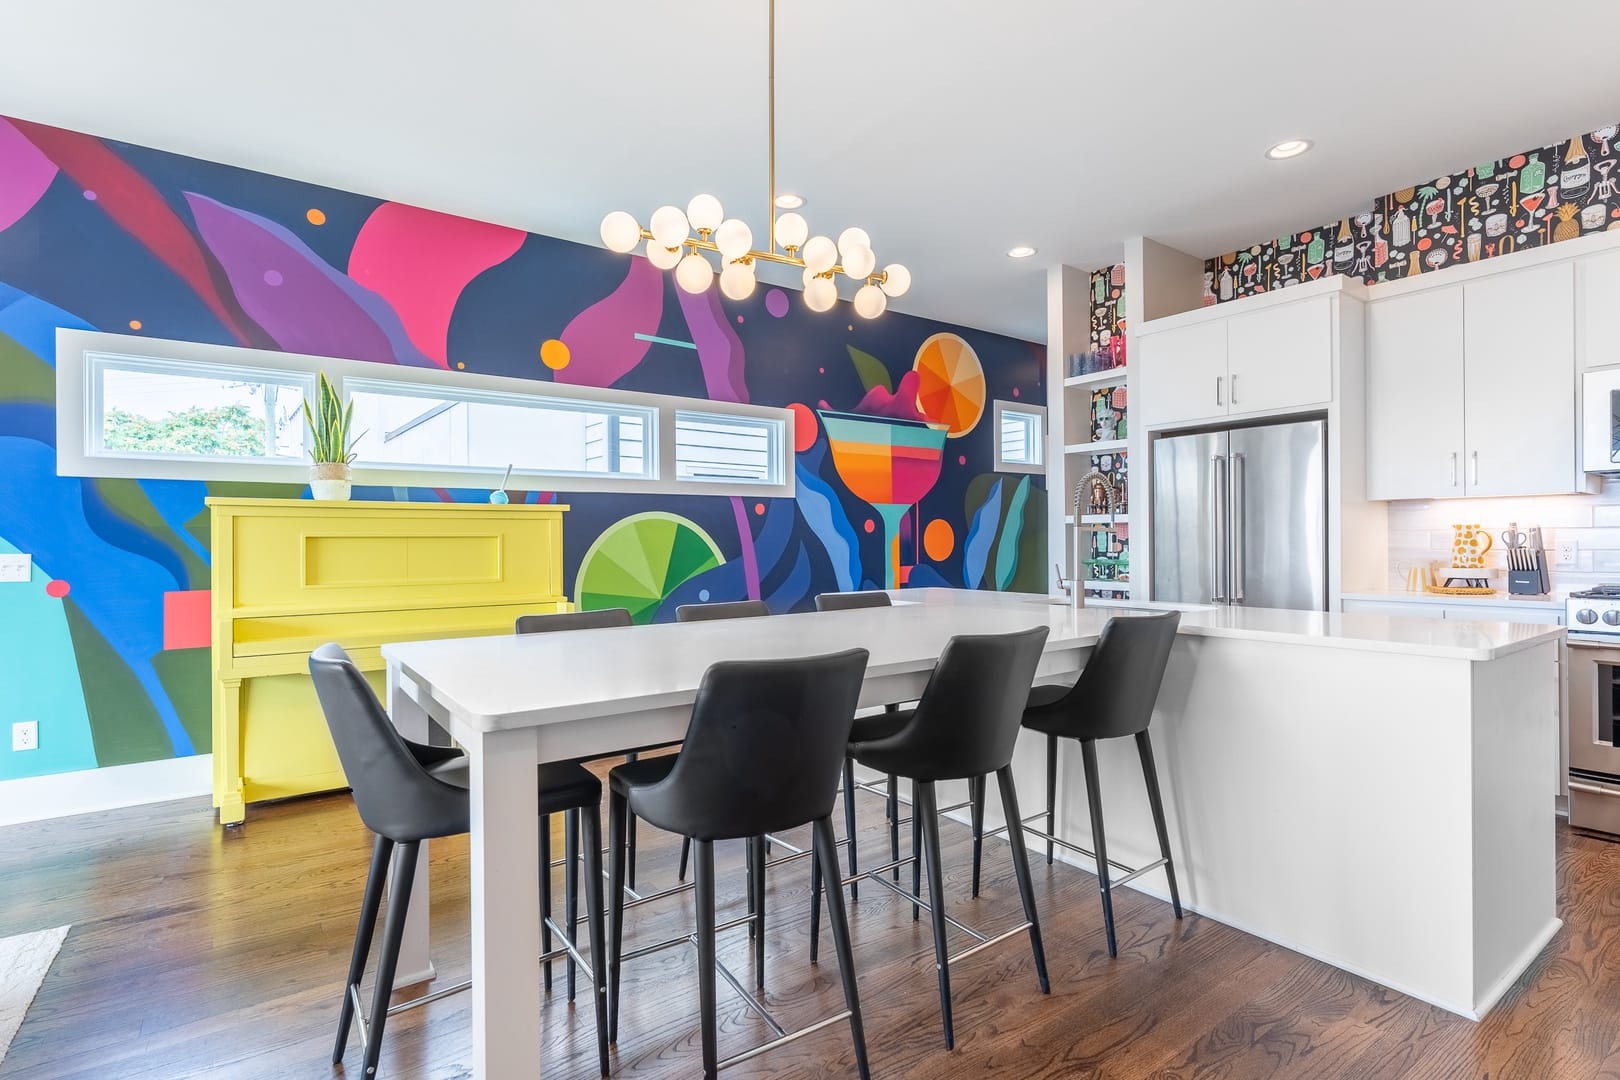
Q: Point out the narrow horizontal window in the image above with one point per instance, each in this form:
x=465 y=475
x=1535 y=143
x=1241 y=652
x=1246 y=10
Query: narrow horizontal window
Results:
x=1020 y=432
x=724 y=448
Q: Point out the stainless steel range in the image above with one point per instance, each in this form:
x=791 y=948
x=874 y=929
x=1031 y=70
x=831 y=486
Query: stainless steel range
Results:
x=1594 y=708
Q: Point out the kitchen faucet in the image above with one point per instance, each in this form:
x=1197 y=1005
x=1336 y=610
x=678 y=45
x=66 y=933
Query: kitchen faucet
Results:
x=1081 y=503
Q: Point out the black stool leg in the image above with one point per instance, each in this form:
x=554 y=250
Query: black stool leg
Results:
x=618 y=813
x=1026 y=887
x=815 y=895
x=381 y=849
x=591 y=820
x=686 y=856
x=753 y=911
x=846 y=955
x=757 y=844
x=894 y=824
x=1144 y=749
x=545 y=896
x=926 y=808
x=571 y=886
x=976 y=795
x=1088 y=753
x=849 y=823
x=703 y=878
x=916 y=849
x=399 y=902
x=1051 y=794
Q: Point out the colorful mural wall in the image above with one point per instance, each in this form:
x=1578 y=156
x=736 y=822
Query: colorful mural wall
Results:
x=1525 y=200
x=1109 y=557
x=107 y=645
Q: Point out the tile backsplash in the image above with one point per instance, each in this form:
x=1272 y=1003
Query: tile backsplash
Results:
x=1420 y=531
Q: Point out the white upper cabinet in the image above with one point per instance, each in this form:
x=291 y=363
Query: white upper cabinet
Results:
x=1281 y=357
x=1471 y=388
x=1519 y=386
x=1276 y=359
x=1182 y=374
x=1415 y=441
x=1597 y=310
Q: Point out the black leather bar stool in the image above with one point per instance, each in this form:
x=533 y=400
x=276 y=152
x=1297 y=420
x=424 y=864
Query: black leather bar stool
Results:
x=600 y=619
x=407 y=793
x=735 y=609
x=762 y=755
x=866 y=729
x=965 y=726
x=1113 y=699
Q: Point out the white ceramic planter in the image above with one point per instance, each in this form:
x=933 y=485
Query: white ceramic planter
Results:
x=330 y=481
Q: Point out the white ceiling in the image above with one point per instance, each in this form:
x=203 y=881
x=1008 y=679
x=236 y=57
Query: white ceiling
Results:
x=950 y=129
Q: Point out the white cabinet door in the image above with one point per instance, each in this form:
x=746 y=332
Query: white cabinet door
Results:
x=1519 y=385
x=1281 y=358
x=1415 y=395
x=1597 y=310
x=1406 y=608
x=1504 y=613
x=1182 y=375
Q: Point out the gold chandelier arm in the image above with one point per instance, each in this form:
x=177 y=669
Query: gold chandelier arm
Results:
x=703 y=243
x=770 y=137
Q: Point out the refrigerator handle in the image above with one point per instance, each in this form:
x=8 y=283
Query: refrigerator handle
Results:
x=1217 y=527
x=1239 y=511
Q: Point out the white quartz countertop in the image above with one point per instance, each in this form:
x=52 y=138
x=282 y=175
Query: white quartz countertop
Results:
x=1550 y=602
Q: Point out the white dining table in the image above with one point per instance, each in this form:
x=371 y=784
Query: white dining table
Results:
x=516 y=701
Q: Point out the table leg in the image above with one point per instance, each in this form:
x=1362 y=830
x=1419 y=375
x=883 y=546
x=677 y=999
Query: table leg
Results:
x=415 y=949
x=505 y=906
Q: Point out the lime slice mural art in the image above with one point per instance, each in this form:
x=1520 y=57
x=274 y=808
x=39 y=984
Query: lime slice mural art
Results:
x=638 y=561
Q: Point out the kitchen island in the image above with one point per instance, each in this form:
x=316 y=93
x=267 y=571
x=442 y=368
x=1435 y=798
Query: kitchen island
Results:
x=1366 y=790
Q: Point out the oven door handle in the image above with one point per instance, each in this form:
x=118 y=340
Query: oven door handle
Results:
x=1594 y=789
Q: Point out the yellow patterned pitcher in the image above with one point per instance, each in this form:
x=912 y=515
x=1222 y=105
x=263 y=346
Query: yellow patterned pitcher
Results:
x=1469 y=546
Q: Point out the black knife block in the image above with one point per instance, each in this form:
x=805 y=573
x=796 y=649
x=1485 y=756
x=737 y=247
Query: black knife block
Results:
x=1530 y=582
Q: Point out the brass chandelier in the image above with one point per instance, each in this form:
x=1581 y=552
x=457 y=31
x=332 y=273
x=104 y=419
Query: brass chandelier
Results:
x=671 y=245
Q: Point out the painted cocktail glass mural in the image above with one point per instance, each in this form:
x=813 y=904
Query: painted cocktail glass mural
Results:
x=891 y=464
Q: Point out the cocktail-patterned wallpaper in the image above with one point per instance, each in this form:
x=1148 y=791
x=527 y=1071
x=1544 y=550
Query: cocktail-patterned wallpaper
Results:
x=1525 y=200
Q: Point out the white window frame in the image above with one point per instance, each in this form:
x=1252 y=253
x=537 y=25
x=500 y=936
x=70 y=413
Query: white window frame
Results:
x=776 y=435
x=78 y=409
x=1036 y=411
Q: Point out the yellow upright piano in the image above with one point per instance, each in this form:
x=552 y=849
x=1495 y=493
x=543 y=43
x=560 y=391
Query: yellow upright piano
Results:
x=292 y=574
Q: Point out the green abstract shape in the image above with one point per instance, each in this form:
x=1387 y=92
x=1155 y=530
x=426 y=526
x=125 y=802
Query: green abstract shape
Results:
x=129 y=500
x=1033 y=563
x=124 y=724
x=187 y=676
x=24 y=377
x=1007 y=544
x=870 y=369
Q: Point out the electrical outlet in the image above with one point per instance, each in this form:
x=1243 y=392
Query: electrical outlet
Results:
x=16 y=567
x=1566 y=553
x=25 y=735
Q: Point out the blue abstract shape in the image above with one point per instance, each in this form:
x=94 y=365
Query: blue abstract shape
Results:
x=32 y=322
x=923 y=576
x=177 y=503
x=795 y=588
x=722 y=584
x=105 y=521
x=29 y=421
x=822 y=511
x=771 y=545
x=980 y=536
x=1007 y=550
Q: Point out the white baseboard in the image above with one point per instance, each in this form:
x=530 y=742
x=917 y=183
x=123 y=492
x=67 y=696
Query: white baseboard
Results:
x=37 y=798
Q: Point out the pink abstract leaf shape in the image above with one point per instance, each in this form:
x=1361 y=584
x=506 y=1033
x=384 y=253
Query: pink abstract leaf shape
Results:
x=300 y=301
x=719 y=349
x=900 y=405
x=130 y=200
x=601 y=340
x=25 y=174
x=421 y=260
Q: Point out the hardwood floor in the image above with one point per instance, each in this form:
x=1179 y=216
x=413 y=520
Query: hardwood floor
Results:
x=202 y=953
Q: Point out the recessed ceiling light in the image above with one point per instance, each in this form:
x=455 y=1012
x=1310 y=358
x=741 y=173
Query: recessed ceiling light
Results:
x=789 y=201
x=1288 y=148
x=1022 y=251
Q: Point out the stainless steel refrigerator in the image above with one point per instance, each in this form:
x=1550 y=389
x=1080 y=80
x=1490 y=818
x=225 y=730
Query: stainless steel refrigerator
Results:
x=1240 y=516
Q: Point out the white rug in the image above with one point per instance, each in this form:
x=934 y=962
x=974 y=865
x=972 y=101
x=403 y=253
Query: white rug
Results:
x=24 y=960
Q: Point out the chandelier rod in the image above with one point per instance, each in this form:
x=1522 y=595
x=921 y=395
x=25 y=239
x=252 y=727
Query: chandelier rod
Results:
x=770 y=96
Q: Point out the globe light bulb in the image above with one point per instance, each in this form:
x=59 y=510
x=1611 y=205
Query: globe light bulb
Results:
x=820 y=294
x=859 y=262
x=809 y=276
x=669 y=226
x=791 y=230
x=851 y=238
x=898 y=280
x=870 y=301
x=737 y=281
x=694 y=274
x=620 y=232
x=662 y=257
x=820 y=254
x=733 y=238
x=704 y=212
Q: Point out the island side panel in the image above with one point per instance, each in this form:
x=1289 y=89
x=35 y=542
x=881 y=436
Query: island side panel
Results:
x=1317 y=797
x=1515 y=855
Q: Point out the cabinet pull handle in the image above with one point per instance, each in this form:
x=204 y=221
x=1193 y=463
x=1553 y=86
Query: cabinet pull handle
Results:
x=1218 y=400
x=1234 y=388
x=1473 y=467
x=1454 y=468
